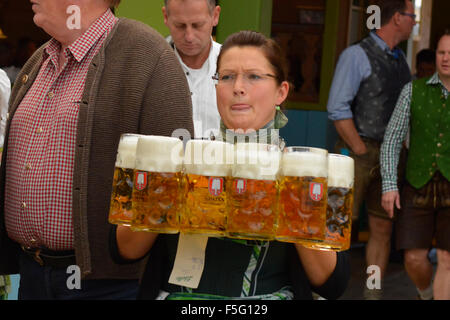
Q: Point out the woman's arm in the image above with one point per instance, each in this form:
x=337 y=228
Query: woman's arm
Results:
x=134 y=245
x=318 y=265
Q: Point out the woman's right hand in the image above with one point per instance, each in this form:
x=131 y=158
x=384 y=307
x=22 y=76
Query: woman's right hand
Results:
x=134 y=245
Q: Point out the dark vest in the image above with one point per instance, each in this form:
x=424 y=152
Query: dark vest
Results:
x=377 y=95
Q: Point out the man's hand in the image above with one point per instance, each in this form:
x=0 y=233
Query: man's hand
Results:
x=347 y=131
x=387 y=201
x=359 y=148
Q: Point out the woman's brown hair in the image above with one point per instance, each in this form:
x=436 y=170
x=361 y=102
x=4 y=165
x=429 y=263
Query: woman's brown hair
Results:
x=269 y=47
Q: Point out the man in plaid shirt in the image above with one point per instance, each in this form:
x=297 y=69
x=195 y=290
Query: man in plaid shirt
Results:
x=424 y=107
x=93 y=81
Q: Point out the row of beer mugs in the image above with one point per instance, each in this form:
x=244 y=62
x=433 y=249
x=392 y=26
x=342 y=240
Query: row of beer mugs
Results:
x=244 y=190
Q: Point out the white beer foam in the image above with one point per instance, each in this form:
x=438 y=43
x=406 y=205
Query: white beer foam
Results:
x=256 y=161
x=208 y=158
x=126 y=151
x=341 y=171
x=159 y=154
x=312 y=163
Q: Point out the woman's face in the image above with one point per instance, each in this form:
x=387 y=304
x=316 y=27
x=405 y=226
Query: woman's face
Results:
x=247 y=91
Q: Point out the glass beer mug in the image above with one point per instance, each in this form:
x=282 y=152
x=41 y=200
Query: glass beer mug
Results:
x=157 y=178
x=253 y=192
x=303 y=195
x=341 y=173
x=120 y=211
x=206 y=167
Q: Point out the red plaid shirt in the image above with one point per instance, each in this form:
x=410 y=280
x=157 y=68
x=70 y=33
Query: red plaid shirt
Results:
x=41 y=144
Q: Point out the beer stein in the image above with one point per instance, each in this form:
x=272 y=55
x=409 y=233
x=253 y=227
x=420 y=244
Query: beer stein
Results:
x=253 y=192
x=303 y=195
x=341 y=172
x=157 y=183
x=120 y=211
x=206 y=167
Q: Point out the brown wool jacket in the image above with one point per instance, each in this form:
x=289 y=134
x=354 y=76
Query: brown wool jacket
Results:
x=134 y=85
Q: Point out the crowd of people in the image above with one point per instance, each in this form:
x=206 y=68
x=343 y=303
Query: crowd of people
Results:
x=78 y=93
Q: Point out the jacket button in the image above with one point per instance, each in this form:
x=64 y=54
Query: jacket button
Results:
x=25 y=79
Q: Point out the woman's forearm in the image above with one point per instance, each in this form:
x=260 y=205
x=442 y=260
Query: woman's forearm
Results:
x=318 y=265
x=134 y=244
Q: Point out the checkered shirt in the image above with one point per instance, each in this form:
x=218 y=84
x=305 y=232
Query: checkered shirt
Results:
x=396 y=132
x=41 y=144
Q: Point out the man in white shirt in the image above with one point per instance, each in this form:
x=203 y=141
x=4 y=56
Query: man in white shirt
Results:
x=191 y=23
x=5 y=90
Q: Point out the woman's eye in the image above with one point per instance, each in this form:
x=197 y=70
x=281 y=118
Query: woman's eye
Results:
x=253 y=76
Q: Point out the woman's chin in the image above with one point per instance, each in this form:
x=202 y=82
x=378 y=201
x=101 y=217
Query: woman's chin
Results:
x=243 y=126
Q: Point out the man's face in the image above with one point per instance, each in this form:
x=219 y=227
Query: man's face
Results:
x=407 y=22
x=50 y=15
x=190 y=23
x=443 y=57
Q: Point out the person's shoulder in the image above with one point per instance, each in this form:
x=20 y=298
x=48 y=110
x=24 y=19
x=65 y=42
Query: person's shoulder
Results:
x=216 y=45
x=3 y=74
x=354 y=50
x=216 y=48
x=130 y=32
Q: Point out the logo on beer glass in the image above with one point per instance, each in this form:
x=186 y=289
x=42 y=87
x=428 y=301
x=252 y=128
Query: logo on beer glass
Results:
x=240 y=185
x=141 y=180
x=316 y=191
x=215 y=186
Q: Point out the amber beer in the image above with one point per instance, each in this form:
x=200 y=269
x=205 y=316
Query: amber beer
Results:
x=303 y=195
x=205 y=191
x=156 y=191
x=253 y=192
x=120 y=211
x=341 y=173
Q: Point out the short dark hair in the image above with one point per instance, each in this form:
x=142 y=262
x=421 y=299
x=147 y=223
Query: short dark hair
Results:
x=211 y=4
x=440 y=35
x=425 y=56
x=389 y=8
x=270 y=48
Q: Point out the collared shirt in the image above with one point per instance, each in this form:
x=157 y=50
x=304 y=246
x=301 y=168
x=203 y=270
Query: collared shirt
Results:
x=203 y=93
x=5 y=91
x=42 y=142
x=353 y=67
x=396 y=132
